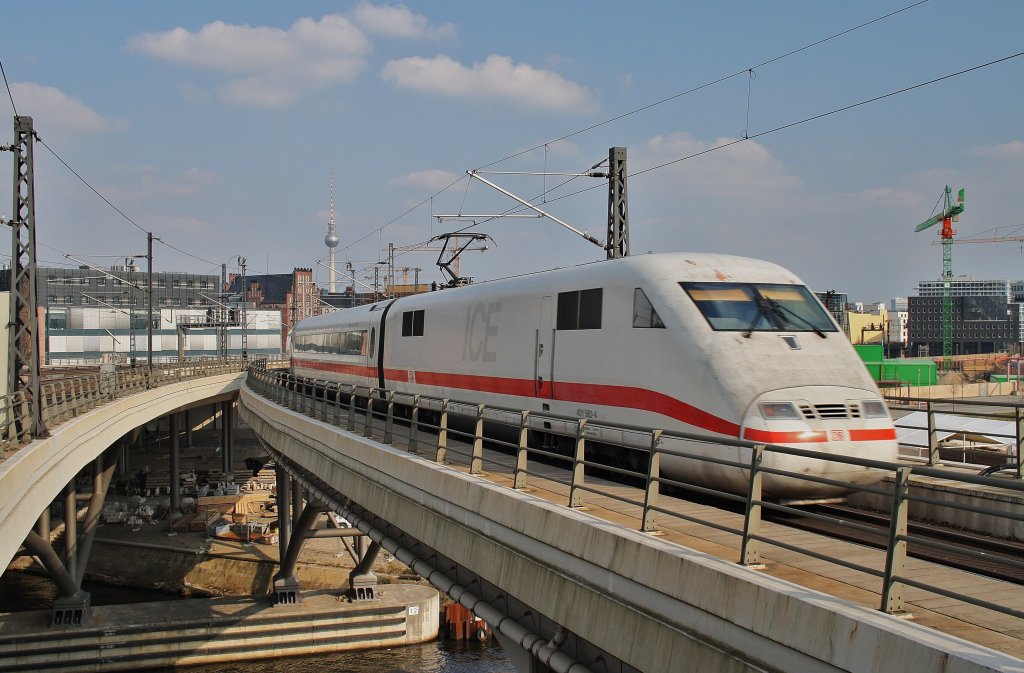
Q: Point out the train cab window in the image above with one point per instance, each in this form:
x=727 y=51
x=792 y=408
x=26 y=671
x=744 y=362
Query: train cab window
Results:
x=580 y=309
x=412 y=323
x=644 y=314
x=759 y=307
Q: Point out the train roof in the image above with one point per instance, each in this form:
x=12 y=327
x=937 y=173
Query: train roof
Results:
x=638 y=269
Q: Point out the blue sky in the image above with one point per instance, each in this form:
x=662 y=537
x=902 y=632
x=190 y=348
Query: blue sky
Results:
x=217 y=125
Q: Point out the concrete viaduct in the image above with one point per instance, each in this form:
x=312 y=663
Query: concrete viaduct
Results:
x=558 y=586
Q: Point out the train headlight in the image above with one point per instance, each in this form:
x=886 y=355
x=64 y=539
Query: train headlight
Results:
x=779 y=411
x=874 y=409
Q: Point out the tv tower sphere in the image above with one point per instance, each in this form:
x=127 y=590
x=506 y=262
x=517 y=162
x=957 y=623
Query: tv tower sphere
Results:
x=331 y=240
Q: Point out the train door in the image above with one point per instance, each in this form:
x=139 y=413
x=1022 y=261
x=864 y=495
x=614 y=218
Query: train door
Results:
x=375 y=340
x=544 y=363
x=370 y=355
x=376 y=352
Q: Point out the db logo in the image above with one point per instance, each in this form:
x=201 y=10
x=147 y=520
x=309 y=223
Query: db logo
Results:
x=837 y=435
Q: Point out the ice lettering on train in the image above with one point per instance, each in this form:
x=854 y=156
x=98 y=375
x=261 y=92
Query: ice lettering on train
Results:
x=478 y=341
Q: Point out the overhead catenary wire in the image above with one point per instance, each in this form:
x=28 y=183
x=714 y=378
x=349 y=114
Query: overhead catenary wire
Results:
x=846 y=108
x=7 y=84
x=187 y=254
x=89 y=185
x=544 y=145
x=711 y=83
x=644 y=108
x=91 y=188
x=793 y=124
x=119 y=211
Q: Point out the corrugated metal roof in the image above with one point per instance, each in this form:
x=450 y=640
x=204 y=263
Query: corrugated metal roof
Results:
x=912 y=429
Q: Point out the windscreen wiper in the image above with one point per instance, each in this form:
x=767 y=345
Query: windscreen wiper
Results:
x=779 y=309
x=763 y=309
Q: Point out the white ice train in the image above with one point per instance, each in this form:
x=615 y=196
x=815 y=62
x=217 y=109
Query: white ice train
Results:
x=702 y=343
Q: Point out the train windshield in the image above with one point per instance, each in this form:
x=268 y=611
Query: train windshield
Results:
x=759 y=307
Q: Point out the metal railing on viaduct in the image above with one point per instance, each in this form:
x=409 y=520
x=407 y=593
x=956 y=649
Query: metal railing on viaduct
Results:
x=74 y=395
x=88 y=421
x=562 y=587
x=559 y=586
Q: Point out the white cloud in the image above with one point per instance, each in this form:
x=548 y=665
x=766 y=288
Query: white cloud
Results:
x=559 y=149
x=189 y=182
x=53 y=111
x=193 y=93
x=498 y=77
x=259 y=92
x=398 y=21
x=181 y=224
x=268 y=66
x=886 y=197
x=429 y=179
x=1011 y=150
x=743 y=166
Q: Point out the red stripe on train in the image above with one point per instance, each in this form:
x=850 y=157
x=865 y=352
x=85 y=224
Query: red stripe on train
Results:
x=872 y=435
x=799 y=437
x=336 y=367
x=604 y=395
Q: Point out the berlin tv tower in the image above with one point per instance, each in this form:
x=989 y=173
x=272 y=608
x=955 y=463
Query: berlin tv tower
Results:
x=331 y=240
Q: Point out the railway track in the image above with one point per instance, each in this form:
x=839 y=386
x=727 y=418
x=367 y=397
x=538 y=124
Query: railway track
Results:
x=996 y=550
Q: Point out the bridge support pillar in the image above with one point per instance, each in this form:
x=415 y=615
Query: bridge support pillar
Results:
x=286 y=585
x=362 y=581
x=188 y=428
x=123 y=445
x=284 y=510
x=286 y=590
x=297 y=500
x=175 y=477
x=43 y=525
x=72 y=610
x=70 y=527
x=71 y=607
x=226 y=438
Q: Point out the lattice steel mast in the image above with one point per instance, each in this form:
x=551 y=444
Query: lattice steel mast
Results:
x=618 y=215
x=23 y=348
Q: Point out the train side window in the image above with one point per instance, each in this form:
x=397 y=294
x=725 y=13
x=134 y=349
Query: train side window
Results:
x=579 y=309
x=373 y=340
x=644 y=314
x=355 y=343
x=412 y=323
x=568 y=310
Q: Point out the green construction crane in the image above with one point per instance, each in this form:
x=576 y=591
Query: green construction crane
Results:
x=950 y=214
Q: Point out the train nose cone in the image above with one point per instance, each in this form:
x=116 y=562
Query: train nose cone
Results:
x=843 y=425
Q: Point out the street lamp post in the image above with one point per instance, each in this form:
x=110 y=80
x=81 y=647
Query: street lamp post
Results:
x=149 y=301
x=245 y=298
